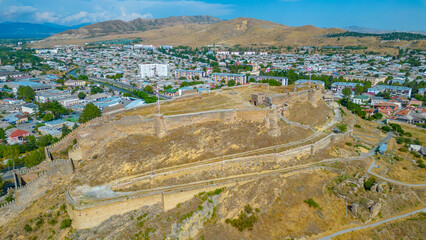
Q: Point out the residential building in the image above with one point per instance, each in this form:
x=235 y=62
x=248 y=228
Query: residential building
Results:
x=392 y=90
x=339 y=86
x=189 y=74
x=154 y=70
x=75 y=83
x=29 y=108
x=18 y=135
x=226 y=77
x=283 y=80
x=360 y=99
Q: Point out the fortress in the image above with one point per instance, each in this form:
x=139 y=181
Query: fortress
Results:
x=191 y=178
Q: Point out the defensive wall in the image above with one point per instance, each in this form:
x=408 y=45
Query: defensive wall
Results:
x=207 y=167
x=101 y=134
x=92 y=214
x=133 y=124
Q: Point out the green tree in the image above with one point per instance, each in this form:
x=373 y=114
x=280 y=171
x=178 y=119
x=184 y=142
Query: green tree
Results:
x=34 y=158
x=26 y=93
x=2 y=134
x=12 y=152
x=231 y=83
x=148 y=88
x=359 y=89
x=81 y=95
x=1 y=185
x=90 y=111
x=347 y=92
x=65 y=130
x=48 y=117
x=44 y=140
x=378 y=115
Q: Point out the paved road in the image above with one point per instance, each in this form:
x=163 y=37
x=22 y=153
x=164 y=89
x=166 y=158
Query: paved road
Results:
x=372 y=225
x=373 y=165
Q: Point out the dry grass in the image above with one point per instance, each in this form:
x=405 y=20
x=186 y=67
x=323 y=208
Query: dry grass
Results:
x=305 y=113
x=134 y=154
x=408 y=228
x=214 y=101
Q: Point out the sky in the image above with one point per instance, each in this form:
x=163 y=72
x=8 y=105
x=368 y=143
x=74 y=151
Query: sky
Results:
x=409 y=15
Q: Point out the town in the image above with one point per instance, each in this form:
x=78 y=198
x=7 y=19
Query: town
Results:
x=47 y=93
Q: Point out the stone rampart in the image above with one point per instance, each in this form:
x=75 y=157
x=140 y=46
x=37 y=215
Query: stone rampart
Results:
x=93 y=214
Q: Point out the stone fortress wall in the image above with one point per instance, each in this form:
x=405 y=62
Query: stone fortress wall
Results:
x=100 y=131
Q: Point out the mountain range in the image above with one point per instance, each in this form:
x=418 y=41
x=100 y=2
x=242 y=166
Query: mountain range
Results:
x=32 y=30
x=206 y=30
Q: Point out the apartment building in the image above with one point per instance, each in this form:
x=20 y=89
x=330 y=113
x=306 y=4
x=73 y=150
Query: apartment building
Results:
x=226 y=77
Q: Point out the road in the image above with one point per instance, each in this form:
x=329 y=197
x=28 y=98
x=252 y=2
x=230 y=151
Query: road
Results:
x=372 y=225
x=373 y=165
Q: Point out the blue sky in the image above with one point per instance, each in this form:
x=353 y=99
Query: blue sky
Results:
x=379 y=14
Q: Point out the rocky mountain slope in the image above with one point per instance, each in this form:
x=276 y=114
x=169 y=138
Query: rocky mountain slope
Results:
x=193 y=31
x=136 y=25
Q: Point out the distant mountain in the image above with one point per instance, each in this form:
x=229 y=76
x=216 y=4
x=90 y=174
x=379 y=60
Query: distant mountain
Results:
x=32 y=30
x=193 y=31
x=199 y=31
x=137 y=25
x=376 y=31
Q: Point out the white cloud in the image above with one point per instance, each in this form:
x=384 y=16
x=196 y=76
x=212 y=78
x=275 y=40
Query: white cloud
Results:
x=127 y=17
x=85 y=11
x=46 y=17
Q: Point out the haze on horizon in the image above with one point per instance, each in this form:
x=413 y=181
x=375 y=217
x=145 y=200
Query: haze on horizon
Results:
x=403 y=15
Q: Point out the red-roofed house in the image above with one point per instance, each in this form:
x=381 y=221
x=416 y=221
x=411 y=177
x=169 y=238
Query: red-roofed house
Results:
x=416 y=102
x=18 y=135
x=369 y=112
x=392 y=106
x=403 y=112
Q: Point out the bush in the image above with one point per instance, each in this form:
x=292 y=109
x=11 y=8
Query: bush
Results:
x=348 y=144
x=386 y=129
x=39 y=222
x=421 y=163
x=9 y=198
x=52 y=221
x=369 y=183
x=246 y=219
x=357 y=126
x=66 y=223
x=342 y=127
x=403 y=149
x=417 y=142
x=28 y=228
x=415 y=154
x=311 y=202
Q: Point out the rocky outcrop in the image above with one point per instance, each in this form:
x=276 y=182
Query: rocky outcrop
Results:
x=190 y=227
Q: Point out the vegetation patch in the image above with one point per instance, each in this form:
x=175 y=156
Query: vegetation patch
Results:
x=246 y=219
x=311 y=202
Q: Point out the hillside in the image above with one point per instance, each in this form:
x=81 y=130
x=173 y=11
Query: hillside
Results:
x=193 y=31
x=199 y=31
x=136 y=25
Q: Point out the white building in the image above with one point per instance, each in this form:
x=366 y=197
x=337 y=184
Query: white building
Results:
x=154 y=70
